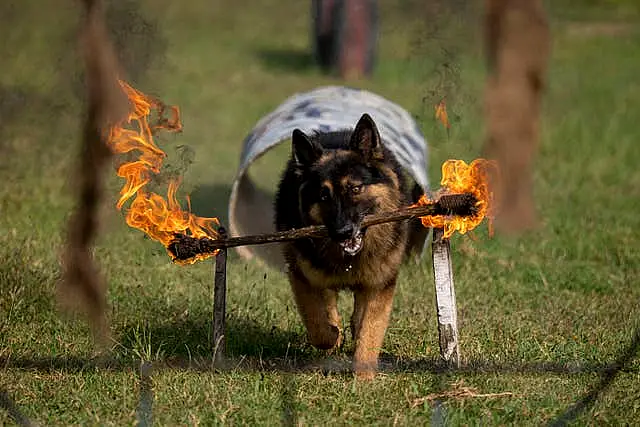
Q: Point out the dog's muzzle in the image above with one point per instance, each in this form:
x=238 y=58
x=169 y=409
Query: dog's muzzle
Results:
x=353 y=245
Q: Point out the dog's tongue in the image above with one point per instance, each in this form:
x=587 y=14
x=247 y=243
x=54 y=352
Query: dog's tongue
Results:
x=353 y=245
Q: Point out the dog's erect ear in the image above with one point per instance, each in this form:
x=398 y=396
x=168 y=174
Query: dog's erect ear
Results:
x=365 y=139
x=305 y=151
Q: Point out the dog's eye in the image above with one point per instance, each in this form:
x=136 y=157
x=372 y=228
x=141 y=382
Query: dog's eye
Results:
x=325 y=194
x=356 y=189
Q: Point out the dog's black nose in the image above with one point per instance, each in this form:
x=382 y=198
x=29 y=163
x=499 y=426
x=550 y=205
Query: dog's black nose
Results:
x=343 y=233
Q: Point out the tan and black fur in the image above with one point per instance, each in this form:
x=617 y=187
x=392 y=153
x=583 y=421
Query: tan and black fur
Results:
x=336 y=179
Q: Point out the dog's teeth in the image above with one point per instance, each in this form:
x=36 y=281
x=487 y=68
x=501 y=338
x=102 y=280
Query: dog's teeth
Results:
x=352 y=246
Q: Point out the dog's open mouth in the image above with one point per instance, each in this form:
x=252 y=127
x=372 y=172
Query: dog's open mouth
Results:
x=353 y=245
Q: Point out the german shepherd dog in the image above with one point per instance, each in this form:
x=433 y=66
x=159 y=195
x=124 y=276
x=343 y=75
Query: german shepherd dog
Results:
x=336 y=179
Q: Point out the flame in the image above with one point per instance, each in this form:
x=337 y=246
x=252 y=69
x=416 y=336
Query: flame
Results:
x=459 y=177
x=441 y=113
x=160 y=219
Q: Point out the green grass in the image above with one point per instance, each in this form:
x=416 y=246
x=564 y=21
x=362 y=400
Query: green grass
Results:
x=542 y=316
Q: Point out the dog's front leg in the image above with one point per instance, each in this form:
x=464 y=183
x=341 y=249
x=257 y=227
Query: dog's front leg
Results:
x=319 y=311
x=372 y=308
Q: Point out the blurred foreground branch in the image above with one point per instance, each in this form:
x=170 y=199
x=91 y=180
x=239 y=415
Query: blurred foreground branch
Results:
x=82 y=287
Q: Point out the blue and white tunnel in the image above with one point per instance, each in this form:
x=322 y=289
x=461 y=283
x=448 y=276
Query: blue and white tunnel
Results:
x=324 y=109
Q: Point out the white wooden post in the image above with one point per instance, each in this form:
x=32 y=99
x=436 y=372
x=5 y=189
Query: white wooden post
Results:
x=445 y=298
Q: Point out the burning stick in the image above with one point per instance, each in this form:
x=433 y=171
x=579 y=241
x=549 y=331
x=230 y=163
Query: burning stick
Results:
x=186 y=249
x=461 y=205
x=159 y=217
x=464 y=203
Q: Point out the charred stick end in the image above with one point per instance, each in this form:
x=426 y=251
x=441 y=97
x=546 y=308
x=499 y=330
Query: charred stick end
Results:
x=464 y=204
x=184 y=247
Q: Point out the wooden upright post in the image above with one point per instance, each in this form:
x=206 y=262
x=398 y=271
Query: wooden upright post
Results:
x=445 y=298
x=220 y=303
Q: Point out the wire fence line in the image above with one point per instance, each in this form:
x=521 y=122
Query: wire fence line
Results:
x=14 y=412
x=288 y=370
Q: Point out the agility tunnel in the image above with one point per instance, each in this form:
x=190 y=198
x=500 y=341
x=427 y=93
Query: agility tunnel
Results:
x=324 y=109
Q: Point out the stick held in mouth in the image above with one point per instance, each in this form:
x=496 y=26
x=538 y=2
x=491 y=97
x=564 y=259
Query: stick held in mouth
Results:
x=183 y=249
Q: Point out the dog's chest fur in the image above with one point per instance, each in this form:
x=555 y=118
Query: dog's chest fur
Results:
x=369 y=270
x=320 y=261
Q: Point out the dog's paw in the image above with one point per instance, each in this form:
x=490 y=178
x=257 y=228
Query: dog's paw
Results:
x=365 y=370
x=329 y=340
x=365 y=375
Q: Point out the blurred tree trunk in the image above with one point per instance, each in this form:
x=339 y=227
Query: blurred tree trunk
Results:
x=517 y=48
x=345 y=36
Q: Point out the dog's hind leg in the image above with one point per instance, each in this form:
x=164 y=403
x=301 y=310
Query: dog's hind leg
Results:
x=319 y=311
x=372 y=308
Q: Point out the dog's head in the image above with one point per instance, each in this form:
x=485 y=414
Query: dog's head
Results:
x=343 y=178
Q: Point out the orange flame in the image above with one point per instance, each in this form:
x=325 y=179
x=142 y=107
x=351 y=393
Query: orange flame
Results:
x=458 y=177
x=441 y=113
x=160 y=219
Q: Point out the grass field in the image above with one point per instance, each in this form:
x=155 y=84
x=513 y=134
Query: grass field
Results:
x=551 y=317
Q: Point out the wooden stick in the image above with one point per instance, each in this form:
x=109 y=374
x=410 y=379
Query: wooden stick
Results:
x=220 y=303
x=186 y=247
x=445 y=298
